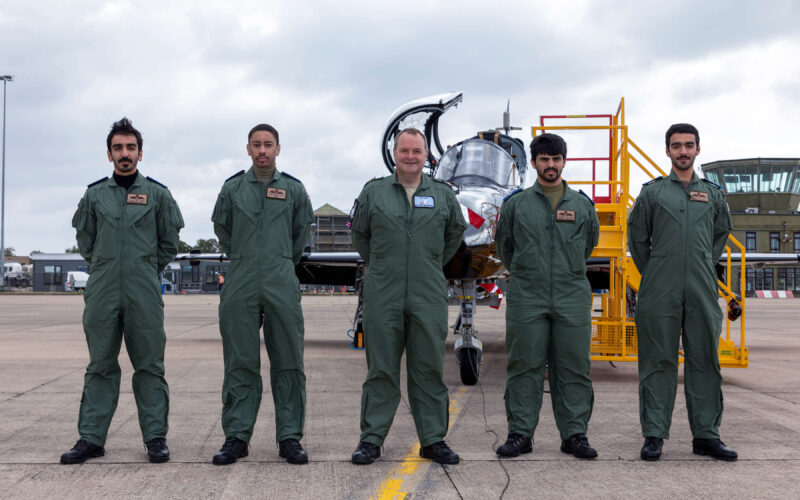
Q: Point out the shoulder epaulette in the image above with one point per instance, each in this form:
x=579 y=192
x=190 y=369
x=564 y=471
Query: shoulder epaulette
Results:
x=237 y=174
x=291 y=177
x=712 y=183
x=155 y=181
x=373 y=180
x=97 y=182
x=512 y=193
x=652 y=181
x=442 y=181
x=587 y=196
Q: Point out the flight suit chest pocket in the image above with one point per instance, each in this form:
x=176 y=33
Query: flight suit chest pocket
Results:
x=432 y=219
x=572 y=233
x=277 y=209
x=700 y=210
x=387 y=217
x=106 y=215
x=667 y=210
x=571 y=238
x=142 y=217
x=243 y=214
x=532 y=226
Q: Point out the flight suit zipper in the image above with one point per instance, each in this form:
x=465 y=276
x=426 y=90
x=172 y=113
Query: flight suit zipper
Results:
x=553 y=234
x=123 y=221
x=262 y=229
x=549 y=208
x=684 y=235
x=408 y=216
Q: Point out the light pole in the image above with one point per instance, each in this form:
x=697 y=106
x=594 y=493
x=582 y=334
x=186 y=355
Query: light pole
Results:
x=6 y=79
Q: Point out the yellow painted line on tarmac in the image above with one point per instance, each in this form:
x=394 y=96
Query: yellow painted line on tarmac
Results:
x=400 y=477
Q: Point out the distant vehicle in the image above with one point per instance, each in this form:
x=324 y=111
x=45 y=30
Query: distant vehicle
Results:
x=16 y=274
x=76 y=281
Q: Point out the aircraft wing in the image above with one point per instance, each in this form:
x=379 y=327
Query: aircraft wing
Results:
x=328 y=268
x=763 y=258
x=314 y=268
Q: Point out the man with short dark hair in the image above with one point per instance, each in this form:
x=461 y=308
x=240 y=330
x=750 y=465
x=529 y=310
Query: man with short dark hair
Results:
x=677 y=231
x=544 y=236
x=262 y=218
x=406 y=226
x=127 y=229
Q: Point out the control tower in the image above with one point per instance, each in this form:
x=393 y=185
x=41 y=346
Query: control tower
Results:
x=763 y=195
x=768 y=185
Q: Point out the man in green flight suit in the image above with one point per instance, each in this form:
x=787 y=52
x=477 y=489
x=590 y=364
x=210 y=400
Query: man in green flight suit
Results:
x=262 y=219
x=127 y=229
x=677 y=231
x=406 y=227
x=544 y=236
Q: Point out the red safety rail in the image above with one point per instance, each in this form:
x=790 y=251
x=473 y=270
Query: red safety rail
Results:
x=594 y=160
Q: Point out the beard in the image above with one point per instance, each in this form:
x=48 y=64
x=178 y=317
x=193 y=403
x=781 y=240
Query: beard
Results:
x=547 y=173
x=688 y=166
x=130 y=166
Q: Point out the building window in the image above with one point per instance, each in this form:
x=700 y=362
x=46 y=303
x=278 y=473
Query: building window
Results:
x=750 y=241
x=83 y=269
x=213 y=272
x=796 y=243
x=782 y=279
x=750 y=280
x=789 y=279
x=774 y=243
x=768 y=284
x=52 y=275
x=797 y=279
x=190 y=274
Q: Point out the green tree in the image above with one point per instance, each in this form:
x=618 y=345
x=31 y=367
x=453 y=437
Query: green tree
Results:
x=183 y=247
x=9 y=251
x=72 y=249
x=210 y=245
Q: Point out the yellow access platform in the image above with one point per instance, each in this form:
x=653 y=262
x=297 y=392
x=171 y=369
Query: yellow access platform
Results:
x=613 y=328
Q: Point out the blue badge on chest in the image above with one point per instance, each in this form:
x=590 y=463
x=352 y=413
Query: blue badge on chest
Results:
x=423 y=201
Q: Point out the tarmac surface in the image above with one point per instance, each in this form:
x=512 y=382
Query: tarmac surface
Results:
x=43 y=356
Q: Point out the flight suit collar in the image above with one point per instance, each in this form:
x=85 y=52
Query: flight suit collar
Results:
x=251 y=176
x=674 y=178
x=137 y=183
x=568 y=192
x=424 y=183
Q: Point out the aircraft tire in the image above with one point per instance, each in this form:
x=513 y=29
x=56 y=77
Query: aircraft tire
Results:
x=470 y=368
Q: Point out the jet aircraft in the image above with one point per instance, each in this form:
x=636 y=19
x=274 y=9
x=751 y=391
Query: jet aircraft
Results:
x=482 y=170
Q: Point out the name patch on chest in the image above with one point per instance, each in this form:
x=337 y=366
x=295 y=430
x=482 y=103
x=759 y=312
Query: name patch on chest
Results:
x=136 y=199
x=276 y=193
x=698 y=196
x=565 y=215
x=423 y=201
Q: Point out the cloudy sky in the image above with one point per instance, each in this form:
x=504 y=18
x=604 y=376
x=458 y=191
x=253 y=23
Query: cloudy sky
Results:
x=195 y=76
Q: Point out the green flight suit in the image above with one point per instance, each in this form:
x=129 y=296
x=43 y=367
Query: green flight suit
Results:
x=549 y=300
x=675 y=236
x=405 y=301
x=128 y=237
x=263 y=229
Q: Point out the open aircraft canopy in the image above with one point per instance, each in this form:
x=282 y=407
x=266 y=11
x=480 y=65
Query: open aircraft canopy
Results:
x=423 y=114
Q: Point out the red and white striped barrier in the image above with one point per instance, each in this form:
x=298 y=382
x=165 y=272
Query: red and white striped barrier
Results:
x=774 y=294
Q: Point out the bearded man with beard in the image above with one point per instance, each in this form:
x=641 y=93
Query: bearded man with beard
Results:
x=677 y=231
x=127 y=229
x=544 y=236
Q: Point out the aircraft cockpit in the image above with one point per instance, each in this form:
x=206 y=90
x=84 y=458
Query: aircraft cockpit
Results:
x=476 y=162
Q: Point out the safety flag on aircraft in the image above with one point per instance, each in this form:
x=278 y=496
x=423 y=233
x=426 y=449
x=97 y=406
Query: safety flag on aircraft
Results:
x=493 y=289
x=475 y=219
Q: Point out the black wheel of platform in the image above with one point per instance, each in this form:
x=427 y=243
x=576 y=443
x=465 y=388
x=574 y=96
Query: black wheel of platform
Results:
x=470 y=368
